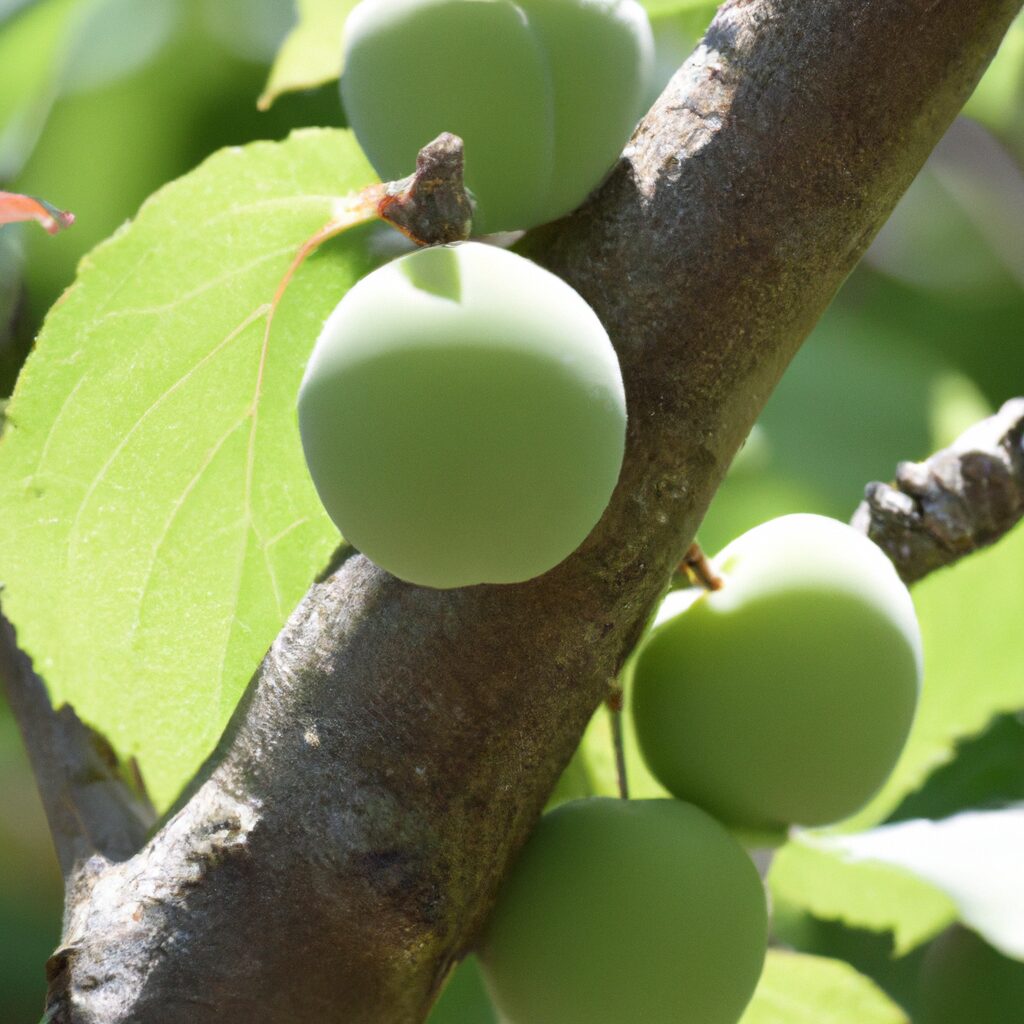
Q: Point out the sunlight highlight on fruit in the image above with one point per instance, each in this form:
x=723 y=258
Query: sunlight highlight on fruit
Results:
x=785 y=697
x=463 y=417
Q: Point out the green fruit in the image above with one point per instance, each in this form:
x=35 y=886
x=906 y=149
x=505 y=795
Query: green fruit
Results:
x=966 y=981
x=544 y=93
x=463 y=417
x=621 y=912
x=785 y=697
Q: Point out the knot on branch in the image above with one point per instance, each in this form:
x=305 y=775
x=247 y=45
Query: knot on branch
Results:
x=432 y=206
x=963 y=498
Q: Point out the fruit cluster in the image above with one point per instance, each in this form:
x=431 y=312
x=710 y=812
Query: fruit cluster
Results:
x=463 y=412
x=463 y=418
x=783 y=697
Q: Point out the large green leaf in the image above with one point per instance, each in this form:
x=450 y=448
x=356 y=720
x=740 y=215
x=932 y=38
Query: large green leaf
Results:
x=311 y=53
x=810 y=876
x=800 y=989
x=157 y=523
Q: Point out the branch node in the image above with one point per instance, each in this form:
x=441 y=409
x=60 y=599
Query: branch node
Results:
x=962 y=498
x=432 y=206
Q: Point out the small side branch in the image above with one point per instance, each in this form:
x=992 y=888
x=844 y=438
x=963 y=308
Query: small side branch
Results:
x=90 y=807
x=432 y=206
x=963 y=498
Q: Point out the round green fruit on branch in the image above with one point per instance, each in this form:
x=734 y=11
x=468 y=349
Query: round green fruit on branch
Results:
x=463 y=417
x=786 y=696
x=627 y=911
x=544 y=94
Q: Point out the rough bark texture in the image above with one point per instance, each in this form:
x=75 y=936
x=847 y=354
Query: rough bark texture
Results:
x=963 y=498
x=397 y=743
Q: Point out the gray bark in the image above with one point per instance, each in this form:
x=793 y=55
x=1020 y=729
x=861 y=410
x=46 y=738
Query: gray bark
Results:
x=346 y=841
x=963 y=498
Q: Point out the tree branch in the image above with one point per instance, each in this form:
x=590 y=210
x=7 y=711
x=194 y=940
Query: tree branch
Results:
x=962 y=498
x=346 y=841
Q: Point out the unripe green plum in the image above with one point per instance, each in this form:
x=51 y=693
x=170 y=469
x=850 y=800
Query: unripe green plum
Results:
x=627 y=911
x=463 y=417
x=786 y=696
x=965 y=981
x=544 y=94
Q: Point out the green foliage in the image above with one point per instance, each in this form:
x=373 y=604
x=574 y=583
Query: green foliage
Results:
x=913 y=878
x=311 y=55
x=800 y=989
x=974 y=858
x=457 y=434
x=878 y=897
x=157 y=524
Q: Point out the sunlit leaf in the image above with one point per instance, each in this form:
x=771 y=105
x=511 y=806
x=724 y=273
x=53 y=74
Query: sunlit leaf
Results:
x=818 y=879
x=973 y=858
x=800 y=989
x=157 y=523
x=311 y=53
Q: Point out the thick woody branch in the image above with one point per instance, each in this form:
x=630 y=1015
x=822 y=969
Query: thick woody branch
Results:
x=962 y=498
x=346 y=842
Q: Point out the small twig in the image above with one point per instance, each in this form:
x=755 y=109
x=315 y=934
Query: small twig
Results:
x=614 y=703
x=699 y=570
x=962 y=498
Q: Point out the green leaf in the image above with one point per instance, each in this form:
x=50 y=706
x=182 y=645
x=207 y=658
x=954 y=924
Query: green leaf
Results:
x=811 y=876
x=973 y=858
x=959 y=699
x=987 y=771
x=800 y=989
x=702 y=9
x=311 y=53
x=157 y=523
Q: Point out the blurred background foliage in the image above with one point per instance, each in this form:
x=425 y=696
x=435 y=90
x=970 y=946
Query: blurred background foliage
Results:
x=103 y=101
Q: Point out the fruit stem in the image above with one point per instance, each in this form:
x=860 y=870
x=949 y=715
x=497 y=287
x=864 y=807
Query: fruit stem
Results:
x=699 y=570
x=618 y=742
